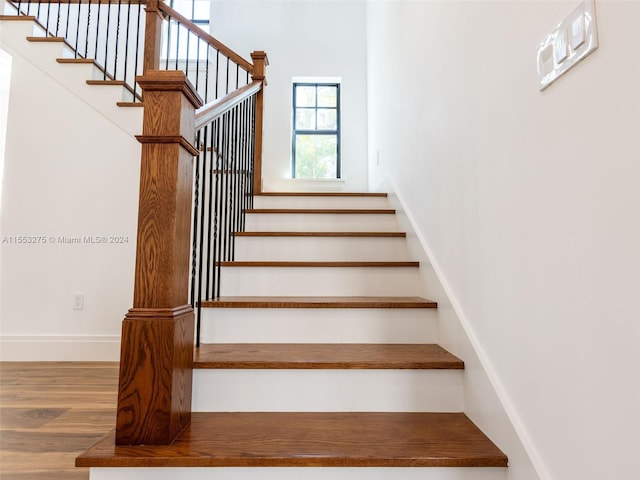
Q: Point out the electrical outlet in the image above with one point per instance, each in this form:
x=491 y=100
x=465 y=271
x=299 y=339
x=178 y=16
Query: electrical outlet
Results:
x=78 y=301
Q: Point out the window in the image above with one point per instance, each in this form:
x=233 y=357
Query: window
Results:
x=316 y=130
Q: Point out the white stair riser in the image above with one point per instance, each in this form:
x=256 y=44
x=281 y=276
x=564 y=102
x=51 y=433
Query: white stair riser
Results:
x=300 y=473
x=319 y=325
x=320 y=281
x=320 y=222
x=321 y=248
x=319 y=202
x=241 y=390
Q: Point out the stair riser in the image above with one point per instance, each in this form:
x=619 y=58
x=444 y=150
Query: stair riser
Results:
x=319 y=202
x=299 y=473
x=327 y=390
x=321 y=249
x=319 y=325
x=320 y=222
x=320 y=281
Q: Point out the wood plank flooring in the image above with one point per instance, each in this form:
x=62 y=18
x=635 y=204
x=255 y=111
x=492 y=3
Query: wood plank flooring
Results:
x=50 y=412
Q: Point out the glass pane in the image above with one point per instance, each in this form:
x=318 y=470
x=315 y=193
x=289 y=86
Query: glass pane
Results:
x=327 y=119
x=305 y=96
x=316 y=156
x=305 y=119
x=327 y=96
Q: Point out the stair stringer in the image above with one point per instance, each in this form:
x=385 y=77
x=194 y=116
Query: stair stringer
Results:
x=483 y=402
x=73 y=77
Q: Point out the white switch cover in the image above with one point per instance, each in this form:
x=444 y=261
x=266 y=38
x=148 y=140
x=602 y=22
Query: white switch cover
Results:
x=560 y=47
x=577 y=32
x=571 y=41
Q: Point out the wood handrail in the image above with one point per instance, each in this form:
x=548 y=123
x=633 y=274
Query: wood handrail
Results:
x=94 y=2
x=217 y=44
x=214 y=109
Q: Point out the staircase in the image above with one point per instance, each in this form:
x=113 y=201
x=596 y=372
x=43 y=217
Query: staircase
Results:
x=319 y=353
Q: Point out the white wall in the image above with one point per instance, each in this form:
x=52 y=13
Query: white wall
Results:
x=309 y=39
x=529 y=205
x=69 y=171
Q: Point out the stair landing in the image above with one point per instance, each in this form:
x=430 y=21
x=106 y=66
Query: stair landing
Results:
x=327 y=439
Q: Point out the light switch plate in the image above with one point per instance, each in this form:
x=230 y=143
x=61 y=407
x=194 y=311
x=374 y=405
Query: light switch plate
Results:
x=569 y=43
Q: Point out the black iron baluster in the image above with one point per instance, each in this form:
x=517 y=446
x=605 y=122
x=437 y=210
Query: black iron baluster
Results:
x=212 y=213
x=86 y=40
x=166 y=65
x=227 y=79
x=115 y=51
x=203 y=190
x=194 y=240
x=217 y=70
x=57 y=17
x=177 y=42
x=135 y=65
x=237 y=76
x=106 y=40
x=206 y=76
x=126 y=46
x=186 y=66
x=95 y=50
x=46 y=26
x=77 y=54
x=220 y=200
x=198 y=63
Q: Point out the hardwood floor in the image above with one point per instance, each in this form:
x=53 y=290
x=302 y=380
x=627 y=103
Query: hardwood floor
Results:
x=50 y=412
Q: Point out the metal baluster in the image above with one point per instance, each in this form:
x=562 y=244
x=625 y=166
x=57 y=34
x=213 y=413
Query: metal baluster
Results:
x=198 y=62
x=231 y=168
x=46 y=26
x=217 y=70
x=203 y=190
x=177 y=43
x=95 y=50
x=220 y=199
x=166 y=66
x=194 y=241
x=206 y=76
x=126 y=45
x=227 y=81
x=212 y=213
x=86 y=40
x=135 y=66
x=186 y=66
x=106 y=41
x=57 y=17
x=76 y=53
x=115 y=52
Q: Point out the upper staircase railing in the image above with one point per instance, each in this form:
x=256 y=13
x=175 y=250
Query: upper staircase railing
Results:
x=200 y=167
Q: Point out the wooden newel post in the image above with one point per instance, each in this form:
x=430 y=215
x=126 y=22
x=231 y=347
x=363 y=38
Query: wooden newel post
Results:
x=152 y=37
x=260 y=62
x=154 y=396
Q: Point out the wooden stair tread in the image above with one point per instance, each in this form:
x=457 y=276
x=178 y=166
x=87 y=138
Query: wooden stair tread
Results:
x=317 y=264
x=319 y=302
x=321 y=234
x=325 y=356
x=301 y=439
x=321 y=194
x=106 y=82
x=46 y=39
x=346 y=211
x=129 y=104
x=18 y=18
x=74 y=60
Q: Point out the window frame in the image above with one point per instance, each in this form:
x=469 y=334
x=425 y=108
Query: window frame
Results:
x=336 y=132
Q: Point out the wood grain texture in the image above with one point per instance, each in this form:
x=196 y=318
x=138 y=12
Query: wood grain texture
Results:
x=46 y=39
x=307 y=211
x=333 y=439
x=49 y=413
x=17 y=18
x=260 y=61
x=152 y=37
x=119 y=83
x=130 y=104
x=344 y=356
x=319 y=264
x=321 y=234
x=154 y=393
x=75 y=60
x=319 y=302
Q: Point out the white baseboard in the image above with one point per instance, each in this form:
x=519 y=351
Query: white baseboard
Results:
x=55 y=348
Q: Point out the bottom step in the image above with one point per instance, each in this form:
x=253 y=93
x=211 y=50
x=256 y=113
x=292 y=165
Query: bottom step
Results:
x=336 y=439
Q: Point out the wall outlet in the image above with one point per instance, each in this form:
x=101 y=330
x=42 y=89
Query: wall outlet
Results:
x=78 y=301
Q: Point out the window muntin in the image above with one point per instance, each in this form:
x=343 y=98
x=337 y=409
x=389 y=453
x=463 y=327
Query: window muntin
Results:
x=316 y=130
